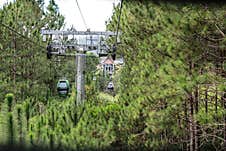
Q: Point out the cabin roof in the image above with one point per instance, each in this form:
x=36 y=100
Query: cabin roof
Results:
x=108 y=60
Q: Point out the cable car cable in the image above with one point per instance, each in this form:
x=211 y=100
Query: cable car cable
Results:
x=29 y=40
x=114 y=47
x=118 y=23
x=80 y=11
x=21 y=35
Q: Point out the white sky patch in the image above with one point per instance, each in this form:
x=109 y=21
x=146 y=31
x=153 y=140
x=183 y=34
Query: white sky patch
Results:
x=2 y=2
x=95 y=12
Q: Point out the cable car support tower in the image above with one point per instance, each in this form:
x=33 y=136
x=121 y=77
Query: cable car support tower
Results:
x=60 y=48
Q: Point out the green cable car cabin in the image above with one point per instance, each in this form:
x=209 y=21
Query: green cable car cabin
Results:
x=63 y=87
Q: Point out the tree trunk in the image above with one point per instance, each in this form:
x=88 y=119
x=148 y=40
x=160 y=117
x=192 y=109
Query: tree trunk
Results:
x=196 y=124
x=186 y=125
x=191 y=110
x=216 y=101
x=206 y=100
x=191 y=123
x=224 y=103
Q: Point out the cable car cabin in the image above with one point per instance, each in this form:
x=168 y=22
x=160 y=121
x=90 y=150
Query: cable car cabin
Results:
x=110 y=86
x=102 y=52
x=63 y=87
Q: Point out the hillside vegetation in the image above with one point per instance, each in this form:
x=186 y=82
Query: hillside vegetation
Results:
x=171 y=92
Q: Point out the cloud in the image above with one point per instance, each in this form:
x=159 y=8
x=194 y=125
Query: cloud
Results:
x=95 y=12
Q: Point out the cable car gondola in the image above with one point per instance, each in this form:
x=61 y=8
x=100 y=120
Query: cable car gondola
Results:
x=63 y=87
x=110 y=86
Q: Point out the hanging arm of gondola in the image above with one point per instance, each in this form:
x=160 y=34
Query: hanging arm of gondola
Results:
x=114 y=47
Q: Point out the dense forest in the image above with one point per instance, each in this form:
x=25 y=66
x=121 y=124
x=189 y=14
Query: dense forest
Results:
x=170 y=94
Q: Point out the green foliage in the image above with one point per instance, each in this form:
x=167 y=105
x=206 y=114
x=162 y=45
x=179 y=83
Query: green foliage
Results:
x=9 y=100
x=169 y=52
x=26 y=69
x=173 y=77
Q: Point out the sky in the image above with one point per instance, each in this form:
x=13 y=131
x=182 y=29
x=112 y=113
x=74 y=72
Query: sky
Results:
x=95 y=12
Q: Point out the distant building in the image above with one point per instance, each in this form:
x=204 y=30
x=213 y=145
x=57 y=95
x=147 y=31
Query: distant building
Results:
x=108 y=66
